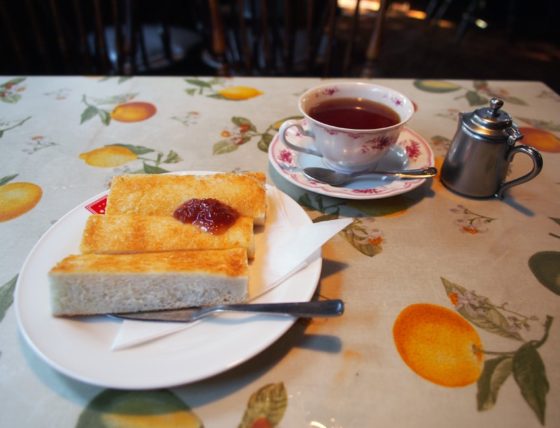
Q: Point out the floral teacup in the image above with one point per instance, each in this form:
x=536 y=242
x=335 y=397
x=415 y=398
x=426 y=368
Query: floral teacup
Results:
x=347 y=149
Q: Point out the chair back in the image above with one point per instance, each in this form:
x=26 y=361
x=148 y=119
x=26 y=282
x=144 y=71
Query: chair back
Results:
x=90 y=37
x=294 y=37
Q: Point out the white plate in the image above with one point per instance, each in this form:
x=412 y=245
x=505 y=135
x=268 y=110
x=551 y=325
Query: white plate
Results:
x=82 y=349
x=410 y=152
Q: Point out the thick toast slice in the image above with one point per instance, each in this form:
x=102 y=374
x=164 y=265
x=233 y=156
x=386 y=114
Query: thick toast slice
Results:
x=135 y=233
x=97 y=283
x=149 y=194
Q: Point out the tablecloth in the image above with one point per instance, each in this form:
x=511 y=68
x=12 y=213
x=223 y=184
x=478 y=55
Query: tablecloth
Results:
x=452 y=304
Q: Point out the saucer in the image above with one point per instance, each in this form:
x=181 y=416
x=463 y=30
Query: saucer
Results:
x=410 y=152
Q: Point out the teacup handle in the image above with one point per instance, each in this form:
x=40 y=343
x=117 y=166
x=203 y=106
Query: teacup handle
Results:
x=537 y=167
x=292 y=123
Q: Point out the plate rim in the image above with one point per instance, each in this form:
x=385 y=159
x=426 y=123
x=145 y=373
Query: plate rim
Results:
x=313 y=269
x=323 y=189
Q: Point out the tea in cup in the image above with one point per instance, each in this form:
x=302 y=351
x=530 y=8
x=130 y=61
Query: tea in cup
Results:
x=352 y=125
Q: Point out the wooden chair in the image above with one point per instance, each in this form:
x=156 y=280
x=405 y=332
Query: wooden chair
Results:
x=305 y=37
x=87 y=37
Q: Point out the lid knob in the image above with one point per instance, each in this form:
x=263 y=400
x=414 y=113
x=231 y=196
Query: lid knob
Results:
x=488 y=122
x=496 y=104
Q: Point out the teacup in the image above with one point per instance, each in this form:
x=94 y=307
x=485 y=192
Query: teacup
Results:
x=352 y=125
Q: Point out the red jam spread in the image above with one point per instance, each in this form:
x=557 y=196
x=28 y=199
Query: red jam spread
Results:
x=209 y=214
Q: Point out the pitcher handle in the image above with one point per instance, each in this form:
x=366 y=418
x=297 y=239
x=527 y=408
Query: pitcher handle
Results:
x=537 y=167
x=292 y=123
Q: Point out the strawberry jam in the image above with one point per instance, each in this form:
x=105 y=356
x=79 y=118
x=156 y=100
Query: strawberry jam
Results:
x=209 y=215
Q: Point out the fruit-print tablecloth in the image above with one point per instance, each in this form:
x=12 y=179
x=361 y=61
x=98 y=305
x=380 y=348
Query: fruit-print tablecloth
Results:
x=452 y=304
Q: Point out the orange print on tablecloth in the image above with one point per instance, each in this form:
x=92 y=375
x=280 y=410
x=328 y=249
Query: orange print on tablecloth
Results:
x=540 y=139
x=119 y=107
x=17 y=198
x=443 y=346
x=438 y=345
x=133 y=111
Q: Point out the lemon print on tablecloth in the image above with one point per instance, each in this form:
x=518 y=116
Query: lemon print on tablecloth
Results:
x=436 y=86
x=137 y=409
x=438 y=345
x=115 y=155
x=109 y=156
x=215 y=88
x=238 y=93
x=17 y=198
x=479 y=95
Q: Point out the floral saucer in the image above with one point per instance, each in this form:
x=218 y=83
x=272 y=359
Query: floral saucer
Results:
x=410 y=152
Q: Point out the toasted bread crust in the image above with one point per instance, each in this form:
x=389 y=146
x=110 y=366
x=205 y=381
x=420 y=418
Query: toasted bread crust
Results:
x=135 y=233
x=229 y=263
x=149 y=194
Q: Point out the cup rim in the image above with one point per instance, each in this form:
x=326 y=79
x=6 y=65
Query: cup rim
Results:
x=353 y=130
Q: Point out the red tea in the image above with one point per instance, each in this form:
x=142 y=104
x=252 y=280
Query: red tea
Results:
x=354 y=113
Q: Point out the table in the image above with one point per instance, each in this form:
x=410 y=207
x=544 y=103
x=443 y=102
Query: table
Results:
x=452 y=304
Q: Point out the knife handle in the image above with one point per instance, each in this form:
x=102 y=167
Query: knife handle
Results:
x=323 y=308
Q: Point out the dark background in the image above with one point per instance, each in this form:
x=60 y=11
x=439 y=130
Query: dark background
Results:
x=521 y=41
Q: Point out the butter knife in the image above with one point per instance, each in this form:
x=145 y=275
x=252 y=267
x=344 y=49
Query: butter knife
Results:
x=323 y=308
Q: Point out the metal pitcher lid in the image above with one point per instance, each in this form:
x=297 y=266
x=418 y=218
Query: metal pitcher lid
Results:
x=489 y=121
